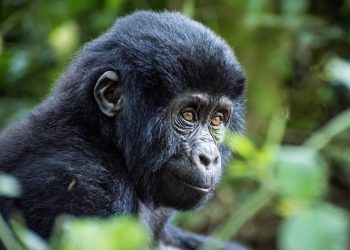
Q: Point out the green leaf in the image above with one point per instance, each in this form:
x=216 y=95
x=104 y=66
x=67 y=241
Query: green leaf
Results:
x=9 y=186
x=65 y=38
x=338 y=71
x=295 y=6
x=108 y=234
x=31 y=240
x=188 y=8
x=240 y=145
x=7 y=238
x=300 y=174
x=321 y=228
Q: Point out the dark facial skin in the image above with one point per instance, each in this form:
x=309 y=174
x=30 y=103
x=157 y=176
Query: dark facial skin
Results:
x=199 y=122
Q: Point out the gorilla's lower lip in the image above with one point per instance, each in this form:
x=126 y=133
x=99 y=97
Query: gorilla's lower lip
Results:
x=202 y=189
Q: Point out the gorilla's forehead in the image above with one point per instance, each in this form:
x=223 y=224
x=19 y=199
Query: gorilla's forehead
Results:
x=201 y=99
x=174 y=51
x=206 y=102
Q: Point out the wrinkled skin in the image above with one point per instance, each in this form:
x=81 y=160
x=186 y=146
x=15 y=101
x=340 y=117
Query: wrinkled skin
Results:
x=134 y=126
x=189 y=177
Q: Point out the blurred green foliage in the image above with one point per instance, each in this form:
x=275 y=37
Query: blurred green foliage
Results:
x=124 y=233
x=296 y=55
x=323 y=227
x=109 y=234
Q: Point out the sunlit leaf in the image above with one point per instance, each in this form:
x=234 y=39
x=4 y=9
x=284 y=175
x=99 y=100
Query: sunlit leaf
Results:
x=300 y=174
x=263 y=160
x=291 y=206
x=338 y=71
x=9 y=186
x=7 y=238
x=107 y=234
x=31 y=240
x=239 y=169
x=320 y=228
x=64 y=39
x=188 y=8
x=240 y=145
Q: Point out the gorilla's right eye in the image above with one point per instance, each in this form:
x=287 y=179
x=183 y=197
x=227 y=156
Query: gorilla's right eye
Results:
x=188 y=116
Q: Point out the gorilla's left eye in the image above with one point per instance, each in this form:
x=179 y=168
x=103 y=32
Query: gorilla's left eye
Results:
x=217 y=119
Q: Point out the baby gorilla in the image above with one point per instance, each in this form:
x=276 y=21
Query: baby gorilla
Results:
x=134 y=126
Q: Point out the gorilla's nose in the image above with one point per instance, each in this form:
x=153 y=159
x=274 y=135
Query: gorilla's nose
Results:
x=207 y=156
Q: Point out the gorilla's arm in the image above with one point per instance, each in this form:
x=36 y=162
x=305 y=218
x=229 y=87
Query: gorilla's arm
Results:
x=182 y=239
x=170 y=236
x=61 y=172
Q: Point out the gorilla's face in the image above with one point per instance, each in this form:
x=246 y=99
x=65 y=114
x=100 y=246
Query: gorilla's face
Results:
x=198 y=122
x=175 y=155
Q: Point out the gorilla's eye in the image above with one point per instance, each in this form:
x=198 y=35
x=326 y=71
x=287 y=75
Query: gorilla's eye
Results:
x=188 y=116
x=217 y=119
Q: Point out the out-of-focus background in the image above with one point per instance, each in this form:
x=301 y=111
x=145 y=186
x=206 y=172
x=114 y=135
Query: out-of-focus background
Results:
x=295 y=53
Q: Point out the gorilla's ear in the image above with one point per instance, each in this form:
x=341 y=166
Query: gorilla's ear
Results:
x=107 y=93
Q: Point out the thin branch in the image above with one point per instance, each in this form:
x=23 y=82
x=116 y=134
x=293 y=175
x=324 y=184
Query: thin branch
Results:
x=325 y=134
x=7 y=237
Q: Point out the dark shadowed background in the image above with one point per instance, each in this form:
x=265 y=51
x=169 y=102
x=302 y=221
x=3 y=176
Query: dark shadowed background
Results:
x=295 y=53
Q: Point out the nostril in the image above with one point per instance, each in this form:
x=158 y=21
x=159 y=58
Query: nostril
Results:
x=204 y=160
x=216 y=160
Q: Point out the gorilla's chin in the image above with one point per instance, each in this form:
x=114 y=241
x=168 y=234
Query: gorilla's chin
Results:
x=176 y=193
x=201 y=189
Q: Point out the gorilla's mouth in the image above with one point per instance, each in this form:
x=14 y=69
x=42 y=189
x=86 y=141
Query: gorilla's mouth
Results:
x=198 y=188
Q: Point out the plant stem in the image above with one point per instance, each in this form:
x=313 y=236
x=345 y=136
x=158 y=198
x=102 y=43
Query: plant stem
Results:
x=7 y=238
x=326 y=133
x=253 y=204
x=276 y=129
x=234 y=223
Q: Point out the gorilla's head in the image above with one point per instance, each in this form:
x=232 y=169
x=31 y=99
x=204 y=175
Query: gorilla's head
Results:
x=166 y=88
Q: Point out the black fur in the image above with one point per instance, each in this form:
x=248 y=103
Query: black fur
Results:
x=70 y=158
